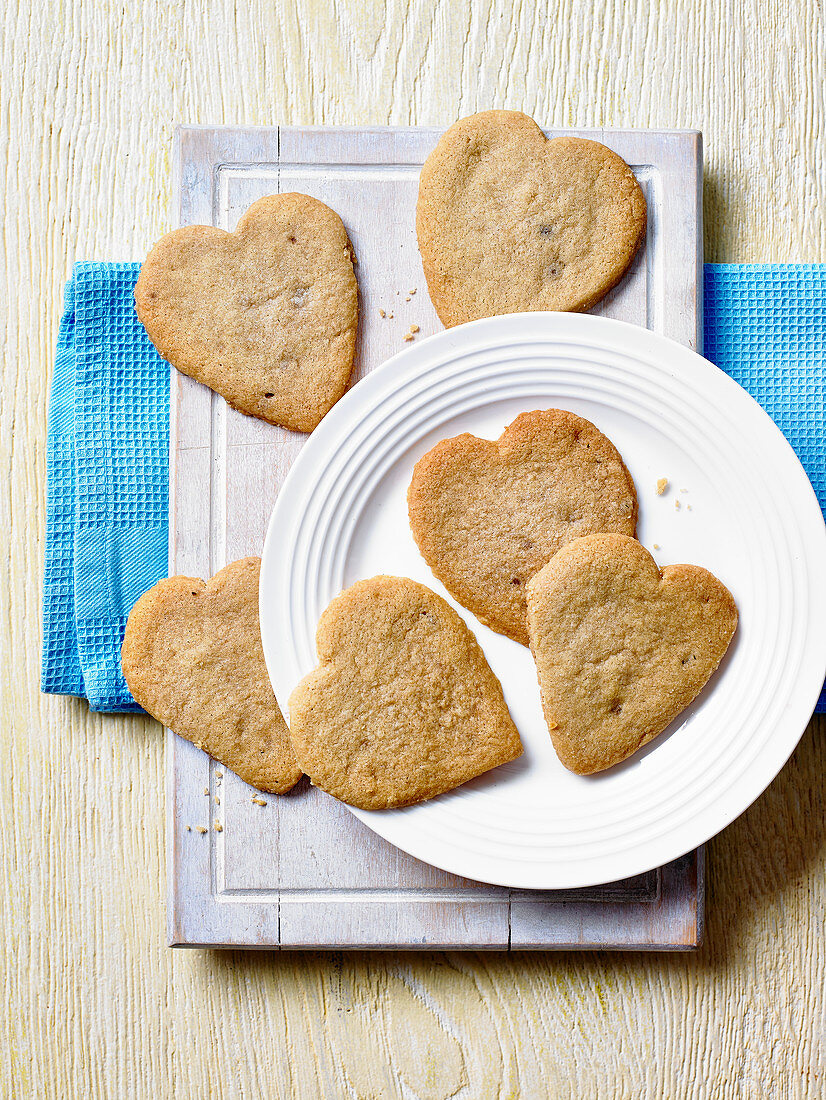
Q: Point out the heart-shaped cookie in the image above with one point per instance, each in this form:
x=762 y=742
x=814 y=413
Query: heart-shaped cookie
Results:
x=620 y=647
x=192 y=657
x=486 y=516
x=266 y=316
x=509 y=221
x=403 y=705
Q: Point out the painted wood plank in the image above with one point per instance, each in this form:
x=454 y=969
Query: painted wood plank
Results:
x=301 y=871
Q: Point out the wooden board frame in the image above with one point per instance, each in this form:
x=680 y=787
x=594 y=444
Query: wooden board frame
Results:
x=302 y=872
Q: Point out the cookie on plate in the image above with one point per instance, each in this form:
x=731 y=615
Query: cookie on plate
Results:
x=266 y=316
x=192 y=658
x=509 y=221
x=403 y=705
x=620 y=647
x=487 y=515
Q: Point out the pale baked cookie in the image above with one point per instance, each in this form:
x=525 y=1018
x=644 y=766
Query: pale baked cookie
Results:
x=266 y=316
x=486 y=516
x=403 y=705
x=620 y=647
x=192 y=657
x=509 y=221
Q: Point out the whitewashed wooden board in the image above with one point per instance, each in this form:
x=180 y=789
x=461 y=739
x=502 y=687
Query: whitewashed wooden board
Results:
x=302 y=872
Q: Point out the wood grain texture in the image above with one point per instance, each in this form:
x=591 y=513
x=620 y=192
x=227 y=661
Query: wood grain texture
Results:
x=94 y=1004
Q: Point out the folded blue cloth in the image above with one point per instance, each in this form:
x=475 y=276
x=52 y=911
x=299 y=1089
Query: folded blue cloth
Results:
x=106 y=538
x=108 y=484
x=765 y=325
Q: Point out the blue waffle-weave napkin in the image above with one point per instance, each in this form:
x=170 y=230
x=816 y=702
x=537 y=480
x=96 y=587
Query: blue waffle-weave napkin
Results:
x=106 y=541
x=765 y=325
x=108 y=484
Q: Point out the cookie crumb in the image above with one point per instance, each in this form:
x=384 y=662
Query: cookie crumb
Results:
x=677 y=505
x=206 y=791
x=688 y=506
x=407 y=299
x=189 y=828
x=259 y=801
x=412 y=292
x=382 y=313
x=217 y=800
x=390 y=316
x=656 y=546
x=683 y=490
x=219 y=775
x=218 y=827
x=662 y=485
x=414 y=328
x=553 y=725
x=201 y=830
x=408 y=336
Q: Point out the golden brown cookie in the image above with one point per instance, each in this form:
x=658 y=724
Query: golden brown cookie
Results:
x=486 y=516
x=266 y=316
x=403 y=705
x=620 y=647
x=192 y=657
x=509 y=221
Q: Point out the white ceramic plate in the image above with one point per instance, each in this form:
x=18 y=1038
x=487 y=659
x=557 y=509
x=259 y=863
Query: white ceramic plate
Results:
x=747 y=513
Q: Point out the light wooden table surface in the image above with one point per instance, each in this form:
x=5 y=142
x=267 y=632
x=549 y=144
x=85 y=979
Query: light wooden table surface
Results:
x=94 y=1004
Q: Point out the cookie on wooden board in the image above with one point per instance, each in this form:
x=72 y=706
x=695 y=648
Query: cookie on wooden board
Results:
x=620 y=647
x=509 y=221
x=192 y=658
x=266 y=316
x=403 y=705
x=487 y=515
